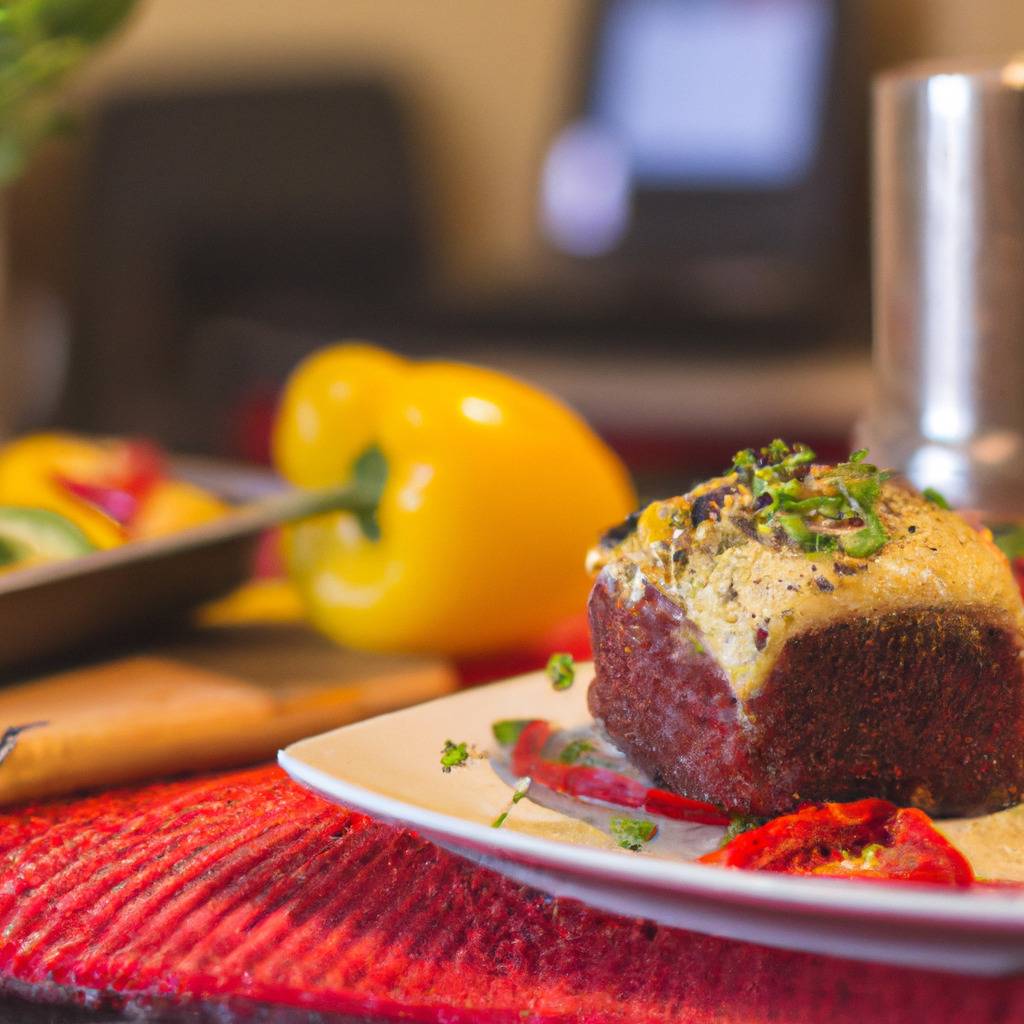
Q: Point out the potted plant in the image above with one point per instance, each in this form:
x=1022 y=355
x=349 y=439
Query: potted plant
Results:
x=41 y=42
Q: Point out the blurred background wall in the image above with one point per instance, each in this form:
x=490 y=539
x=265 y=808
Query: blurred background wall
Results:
x=487 y=84
x=488 y=77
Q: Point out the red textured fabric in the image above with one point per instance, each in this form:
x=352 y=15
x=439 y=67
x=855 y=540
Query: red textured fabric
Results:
x=244 y=885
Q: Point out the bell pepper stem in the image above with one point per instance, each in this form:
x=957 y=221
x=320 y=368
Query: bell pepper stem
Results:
x=293 y=506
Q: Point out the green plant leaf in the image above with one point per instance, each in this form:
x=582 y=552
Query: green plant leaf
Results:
x=41 y=43
x=89 y=20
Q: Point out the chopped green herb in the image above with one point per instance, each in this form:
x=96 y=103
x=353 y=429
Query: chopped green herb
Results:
x=739 y=824
x=869 y=855
x=795 y=527
x=454 y=755
x=866 y=541
x=521 y=789
x=936 y=498
x=508 y=730
x=561 y=671
x=632 y=833
x=810 y=505
x=697 y=645
x=573 y=751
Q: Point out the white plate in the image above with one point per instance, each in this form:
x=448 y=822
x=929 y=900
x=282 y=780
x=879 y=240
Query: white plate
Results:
x=389 y=767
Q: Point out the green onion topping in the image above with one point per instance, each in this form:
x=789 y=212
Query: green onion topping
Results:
x=454 y=755
x=572 y=752
x=739 y=824
x=508 y=730
x=936 y=498
x=561 y=671
x=822 y=508
x=521 y=789
x=632 y=833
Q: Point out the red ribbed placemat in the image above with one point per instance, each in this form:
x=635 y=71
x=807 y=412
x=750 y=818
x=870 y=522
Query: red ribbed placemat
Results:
x=245 y=885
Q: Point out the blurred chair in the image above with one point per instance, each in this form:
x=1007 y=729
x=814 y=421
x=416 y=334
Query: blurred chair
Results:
x=293 y=205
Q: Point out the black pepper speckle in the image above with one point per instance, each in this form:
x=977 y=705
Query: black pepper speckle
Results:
x=619 y=533
x=823 y=584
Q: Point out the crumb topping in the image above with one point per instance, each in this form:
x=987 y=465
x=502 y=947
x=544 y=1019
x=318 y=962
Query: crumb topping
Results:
x=748 y=581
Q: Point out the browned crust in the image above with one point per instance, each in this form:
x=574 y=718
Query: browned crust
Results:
x=924 y=707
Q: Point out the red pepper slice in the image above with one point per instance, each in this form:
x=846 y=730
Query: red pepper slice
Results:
x=119 y=505
x=862 y=839
x=587 y=782
x=143 y=466
x=139 y=466
x=530 y=746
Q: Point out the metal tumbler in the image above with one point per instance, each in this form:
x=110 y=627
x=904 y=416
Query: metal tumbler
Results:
x=948 y=401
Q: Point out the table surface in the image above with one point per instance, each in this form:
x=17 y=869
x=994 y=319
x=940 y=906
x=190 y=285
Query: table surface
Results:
x=19 y=1011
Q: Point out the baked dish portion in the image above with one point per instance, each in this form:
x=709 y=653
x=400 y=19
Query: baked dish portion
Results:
x=793 y=632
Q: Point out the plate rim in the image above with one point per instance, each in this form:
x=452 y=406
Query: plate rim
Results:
x=988 y=911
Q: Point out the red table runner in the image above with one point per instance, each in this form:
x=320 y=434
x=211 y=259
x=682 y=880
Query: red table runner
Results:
x=244 y=885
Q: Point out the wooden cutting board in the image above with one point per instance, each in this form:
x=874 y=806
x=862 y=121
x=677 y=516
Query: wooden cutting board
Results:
x=217 y=697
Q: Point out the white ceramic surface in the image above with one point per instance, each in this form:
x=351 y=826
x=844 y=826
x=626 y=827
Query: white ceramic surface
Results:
x=389 y=767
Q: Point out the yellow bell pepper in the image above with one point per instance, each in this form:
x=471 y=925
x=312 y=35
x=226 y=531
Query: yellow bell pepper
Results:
x=488 y=495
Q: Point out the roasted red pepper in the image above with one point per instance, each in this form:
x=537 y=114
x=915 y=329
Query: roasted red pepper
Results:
x=131 y=475
x=863 y=839
x=587 y=782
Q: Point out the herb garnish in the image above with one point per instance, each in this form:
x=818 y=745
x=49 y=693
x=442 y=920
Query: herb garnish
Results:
x=508 y=730
x=454 y=755
x=573 y=751
x=632 y=833
x=819 y=508
x=561 y=671
x=739 y=824
x=521 y=789
x=936 y=498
